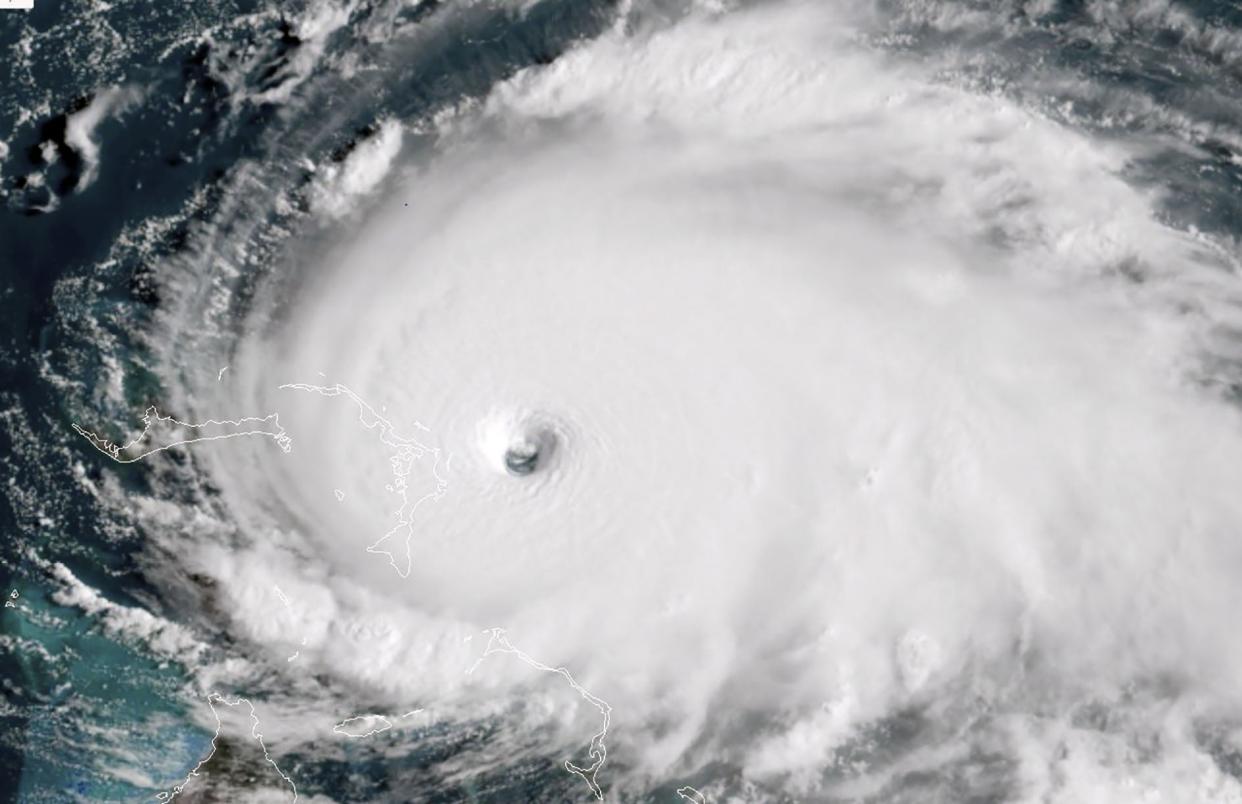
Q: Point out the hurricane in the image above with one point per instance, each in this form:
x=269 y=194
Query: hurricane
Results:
x=642 y=401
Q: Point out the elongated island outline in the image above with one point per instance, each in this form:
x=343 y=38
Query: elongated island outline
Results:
x=160 y=432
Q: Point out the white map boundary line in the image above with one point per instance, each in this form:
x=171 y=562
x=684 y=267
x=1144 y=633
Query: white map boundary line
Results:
x=266 y=426
x=254 y=732
x=499 y=643
x=408 y=450
x=342 y=727
x=280 y=594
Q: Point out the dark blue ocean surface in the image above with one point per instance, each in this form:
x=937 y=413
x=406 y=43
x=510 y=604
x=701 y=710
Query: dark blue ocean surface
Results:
x=76 y=293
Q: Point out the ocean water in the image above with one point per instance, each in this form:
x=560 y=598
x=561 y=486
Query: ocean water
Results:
x=830 y=402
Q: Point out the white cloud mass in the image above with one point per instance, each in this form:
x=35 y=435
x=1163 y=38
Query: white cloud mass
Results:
x=850 y=419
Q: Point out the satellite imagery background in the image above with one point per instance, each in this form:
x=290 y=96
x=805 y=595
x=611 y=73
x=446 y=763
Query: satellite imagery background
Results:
x=635 y=400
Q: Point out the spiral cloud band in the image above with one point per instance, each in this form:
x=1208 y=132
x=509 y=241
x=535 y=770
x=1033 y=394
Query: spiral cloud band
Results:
x=801 y=406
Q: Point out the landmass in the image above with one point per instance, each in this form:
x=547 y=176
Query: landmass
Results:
x=161 y=432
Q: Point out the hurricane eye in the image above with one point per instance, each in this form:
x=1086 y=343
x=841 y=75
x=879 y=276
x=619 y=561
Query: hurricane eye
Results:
x=522 y=458
x=520 y=443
